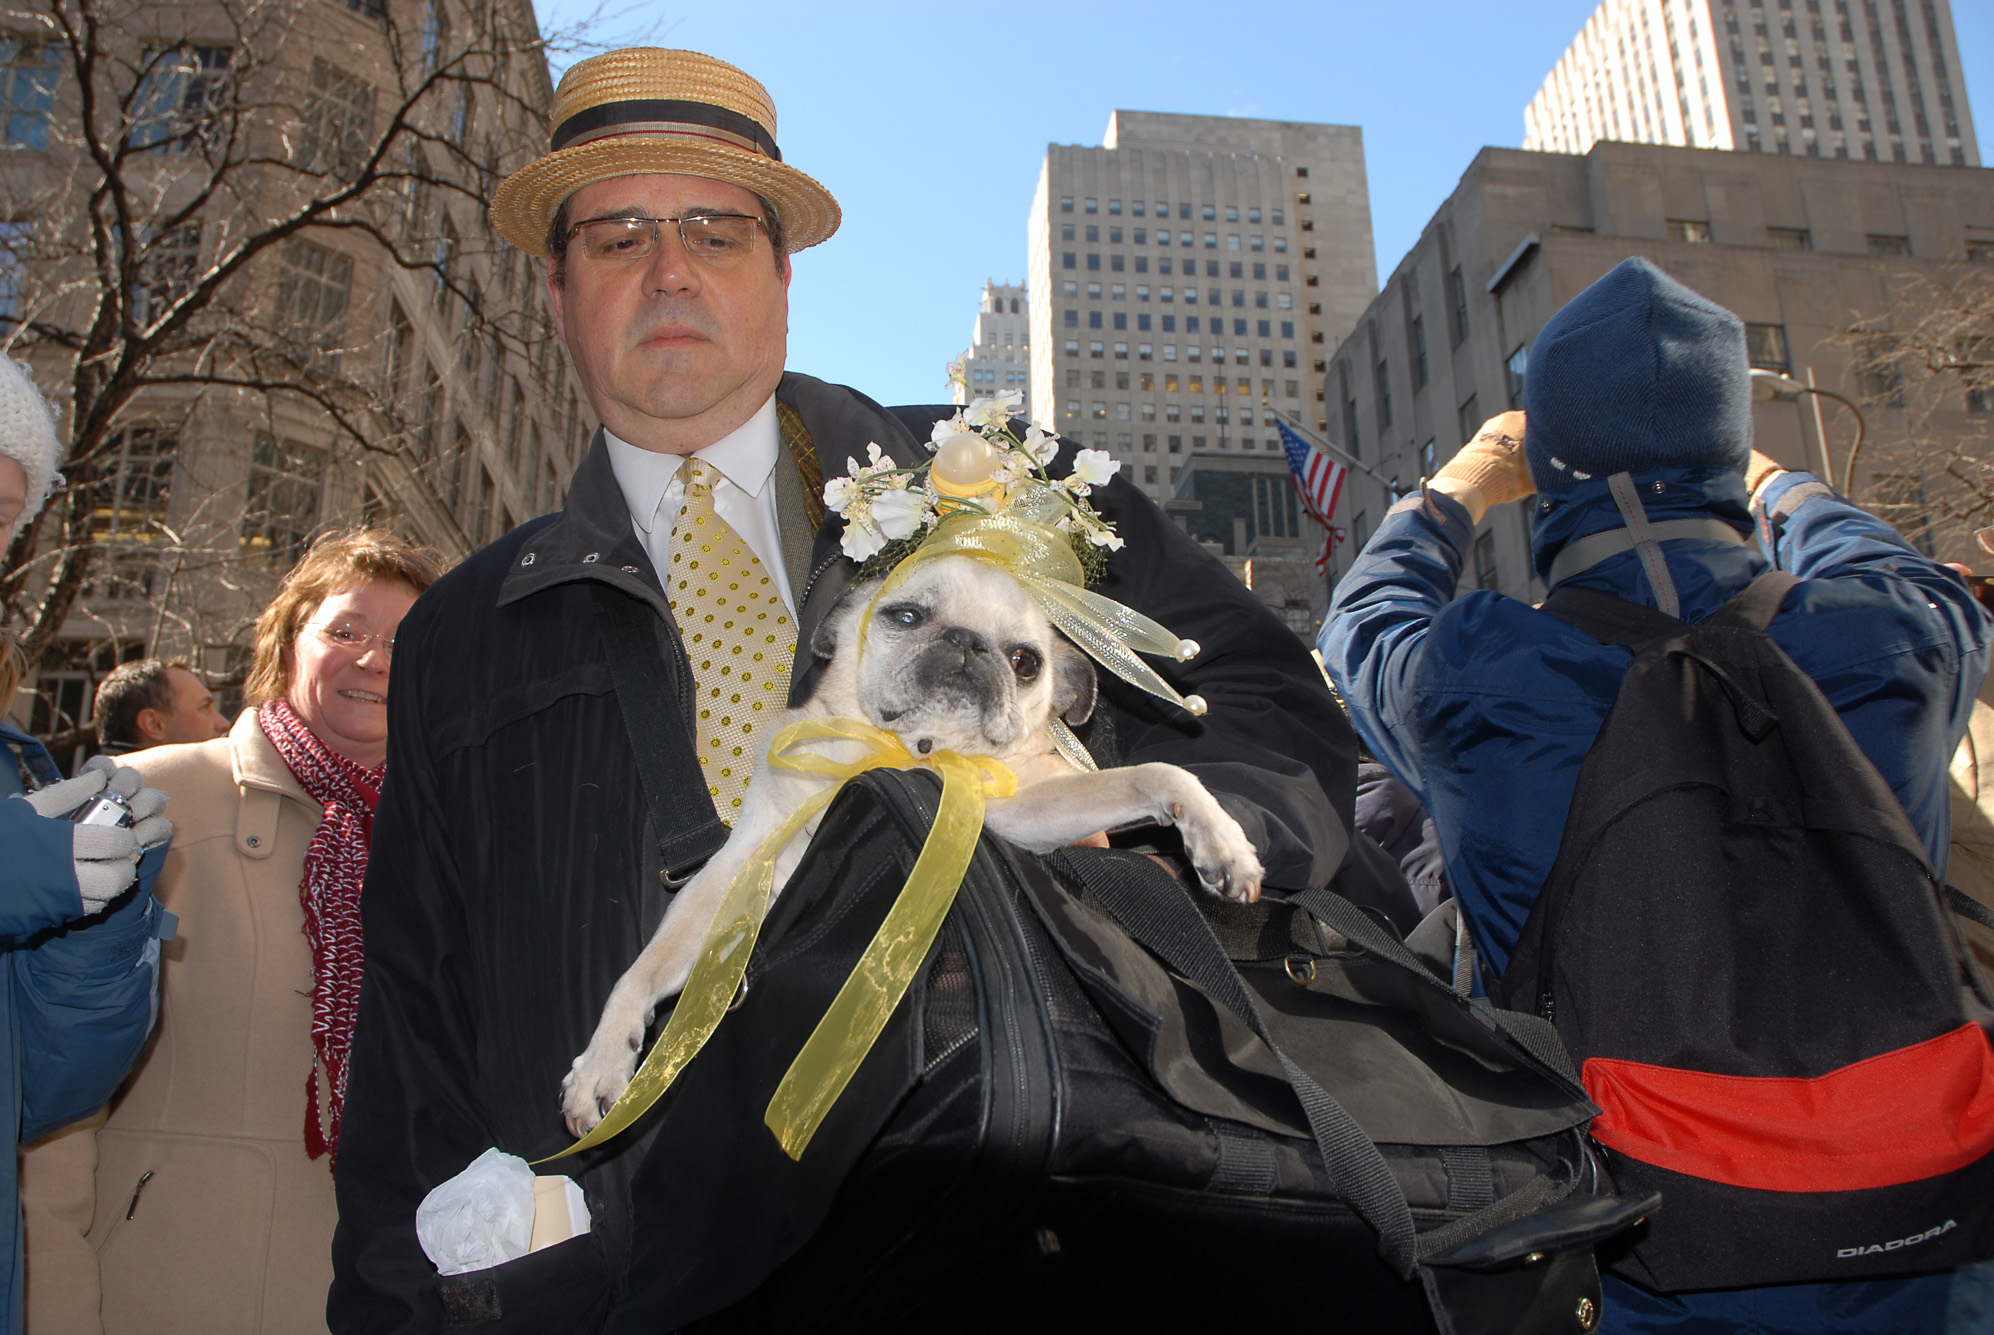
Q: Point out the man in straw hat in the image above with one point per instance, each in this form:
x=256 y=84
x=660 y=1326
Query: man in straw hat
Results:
x=515 y=874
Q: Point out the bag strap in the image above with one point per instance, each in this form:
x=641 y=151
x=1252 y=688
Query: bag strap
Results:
x=1582 y=554
x=1968 y=908
x=1170 y=927
x=688 y=829
x=1758 y=603
x=1611 y=620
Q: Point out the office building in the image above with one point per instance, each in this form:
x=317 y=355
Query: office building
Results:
x=1805 y=250
x=1188 y=274
x=1876 y=80
x=435 y=400
x=998 y=360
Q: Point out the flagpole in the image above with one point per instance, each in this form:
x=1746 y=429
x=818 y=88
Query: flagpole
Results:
x=1324 y=442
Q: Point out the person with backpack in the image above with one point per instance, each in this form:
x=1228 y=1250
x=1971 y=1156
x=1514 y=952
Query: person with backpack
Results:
x=1638 y=449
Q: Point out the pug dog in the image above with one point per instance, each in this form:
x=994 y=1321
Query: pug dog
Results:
x=957 y=657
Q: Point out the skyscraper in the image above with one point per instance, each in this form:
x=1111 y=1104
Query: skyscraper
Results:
x=1189 y=274
x=1869 y=79
x=999 y=357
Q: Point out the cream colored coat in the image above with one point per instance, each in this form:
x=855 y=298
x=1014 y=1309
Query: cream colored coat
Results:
x=232 y=1228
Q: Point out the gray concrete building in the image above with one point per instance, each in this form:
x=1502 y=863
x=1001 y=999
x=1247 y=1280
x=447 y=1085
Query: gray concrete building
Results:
x=1188 y=272
x=1245 y=509
x=998 y=359
x=1805 y=250
x=1877 y=80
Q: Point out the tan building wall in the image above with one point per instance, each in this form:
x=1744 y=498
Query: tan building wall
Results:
x=469 y=420
x=999 y=357
x=1185 y=271
x=1878 y=80
x=1526 y=232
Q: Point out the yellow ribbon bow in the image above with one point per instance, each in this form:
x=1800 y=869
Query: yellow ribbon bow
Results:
x=1023 y=539
x=885 y=971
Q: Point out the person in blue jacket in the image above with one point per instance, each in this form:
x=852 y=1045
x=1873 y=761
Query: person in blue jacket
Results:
x=79 y=948
x=1485 y=707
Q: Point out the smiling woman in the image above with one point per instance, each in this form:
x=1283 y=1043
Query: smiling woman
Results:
x=198 y=1194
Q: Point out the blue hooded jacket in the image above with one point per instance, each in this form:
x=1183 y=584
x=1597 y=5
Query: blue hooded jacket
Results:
x=1485 y=707
x=77 y=999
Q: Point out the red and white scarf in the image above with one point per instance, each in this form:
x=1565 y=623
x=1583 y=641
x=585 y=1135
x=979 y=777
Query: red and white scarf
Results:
x=335 y=865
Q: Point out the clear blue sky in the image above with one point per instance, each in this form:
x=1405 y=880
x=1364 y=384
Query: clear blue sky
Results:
x=929 y=122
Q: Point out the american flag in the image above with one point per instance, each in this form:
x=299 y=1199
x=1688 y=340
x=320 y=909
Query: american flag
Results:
x=1319 y=479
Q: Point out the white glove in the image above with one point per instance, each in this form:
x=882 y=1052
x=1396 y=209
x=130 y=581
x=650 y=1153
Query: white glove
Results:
x=106 y=863
x=106 y=855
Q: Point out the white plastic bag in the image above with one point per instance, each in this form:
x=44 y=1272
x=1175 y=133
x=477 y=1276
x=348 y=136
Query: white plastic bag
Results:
x=480 y=1218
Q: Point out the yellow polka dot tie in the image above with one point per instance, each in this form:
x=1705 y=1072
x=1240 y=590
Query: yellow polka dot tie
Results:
x=738 y=635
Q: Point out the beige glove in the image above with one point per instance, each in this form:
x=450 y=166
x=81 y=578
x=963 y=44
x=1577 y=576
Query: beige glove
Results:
x=1490 y=469
x=1759 y=470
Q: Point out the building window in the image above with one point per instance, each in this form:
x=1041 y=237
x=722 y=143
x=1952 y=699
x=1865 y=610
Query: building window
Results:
x=1694 y=231
x=338 y=129
x=128 y=508
x=1066 y=203
x=1384 y=395
x=1094 y=262
x=1469 y=418
x=1095 y=351
x=166 y=272
x=312 y=288
x=28 y=75
x=1457 y=287
x=1069 y=260
x=1886 y=244
x=285 y=481
x=1765 y=344
x=180 y=91
x=1789 y=238
x=1485 y=562
x=1421 y=368
x=1514 y=368
x=1426 y=459
x=1093 y=206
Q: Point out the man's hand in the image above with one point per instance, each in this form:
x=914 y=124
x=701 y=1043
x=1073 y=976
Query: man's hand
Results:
x=1490 y=469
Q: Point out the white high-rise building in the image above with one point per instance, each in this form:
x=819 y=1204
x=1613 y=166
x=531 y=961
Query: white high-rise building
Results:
x=999 y=356
x=1188 y=277
x=1870 y=79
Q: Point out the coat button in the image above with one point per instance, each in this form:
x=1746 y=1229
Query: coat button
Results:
x=254 y=841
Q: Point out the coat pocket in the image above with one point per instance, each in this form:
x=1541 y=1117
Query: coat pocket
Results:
x=564 y=1287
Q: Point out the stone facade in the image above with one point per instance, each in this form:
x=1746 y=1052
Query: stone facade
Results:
x=1878 y=80
x=1188 y=274
x=998 y=359
x=469 y=420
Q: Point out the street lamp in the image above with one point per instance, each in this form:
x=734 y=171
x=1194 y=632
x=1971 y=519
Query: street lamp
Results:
x=1768 y=385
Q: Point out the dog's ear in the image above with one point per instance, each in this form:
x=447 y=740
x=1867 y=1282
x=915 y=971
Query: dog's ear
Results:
x=1073 y=684
x=824 y=641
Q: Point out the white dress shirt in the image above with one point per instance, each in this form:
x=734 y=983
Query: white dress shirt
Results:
x=744 y=496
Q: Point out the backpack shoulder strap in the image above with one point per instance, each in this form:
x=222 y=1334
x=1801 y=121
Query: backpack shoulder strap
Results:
x=1611 y=620
x=1758 y=603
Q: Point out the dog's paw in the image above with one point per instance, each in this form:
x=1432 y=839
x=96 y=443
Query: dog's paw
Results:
x=597 y=1079
x=1219 y=850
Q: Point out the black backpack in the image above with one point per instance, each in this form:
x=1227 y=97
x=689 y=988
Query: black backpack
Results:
x=1064 y=1129
x=1743 y=944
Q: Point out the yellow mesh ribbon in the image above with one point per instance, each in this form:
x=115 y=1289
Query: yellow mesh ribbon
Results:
x=1022 y=540
x=847 y=1031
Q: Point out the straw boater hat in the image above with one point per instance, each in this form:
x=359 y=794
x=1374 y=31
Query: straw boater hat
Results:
x=647 y=109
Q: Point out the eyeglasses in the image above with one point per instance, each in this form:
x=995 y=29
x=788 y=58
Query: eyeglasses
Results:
x=345 y=635
x=718 y=239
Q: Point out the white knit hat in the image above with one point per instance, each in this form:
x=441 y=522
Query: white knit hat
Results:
x=27 y=433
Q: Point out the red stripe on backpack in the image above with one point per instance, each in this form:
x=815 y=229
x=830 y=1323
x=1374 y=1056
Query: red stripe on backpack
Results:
x=1899 y=1117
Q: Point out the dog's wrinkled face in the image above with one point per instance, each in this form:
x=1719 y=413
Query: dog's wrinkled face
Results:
x=959 y=657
